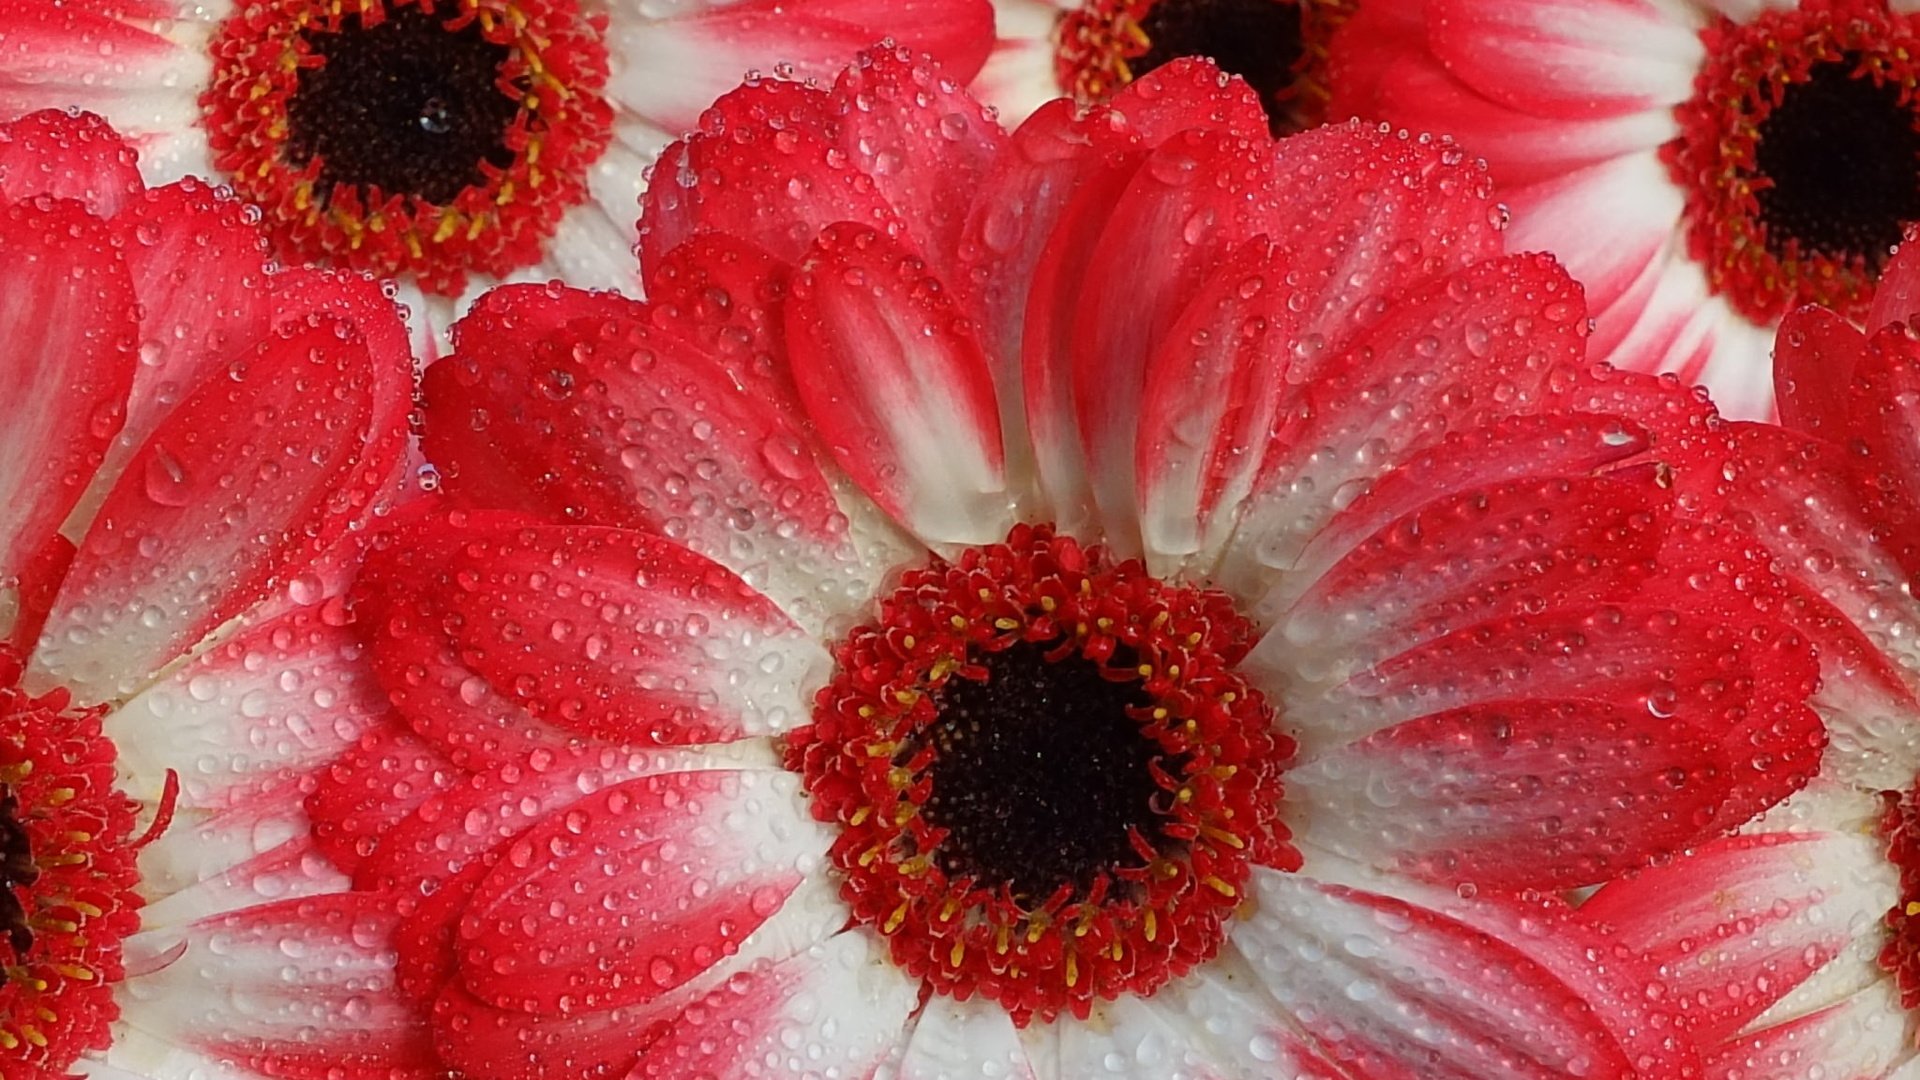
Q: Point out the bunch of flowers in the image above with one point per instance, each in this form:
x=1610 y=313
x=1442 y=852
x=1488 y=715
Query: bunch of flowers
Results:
x=1077 y=566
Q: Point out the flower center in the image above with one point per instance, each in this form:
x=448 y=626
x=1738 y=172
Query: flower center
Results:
x=66 y=879
x=410 y=136
x=1278 y=46
x=1051 y=783
x=1800 y=154
x=1057 y=739
x=429 y=133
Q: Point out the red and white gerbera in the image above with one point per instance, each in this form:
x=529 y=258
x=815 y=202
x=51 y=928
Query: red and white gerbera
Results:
x=1703 y=166
x=1088 y=49
x=1793 y=948
x=191 y=446
x=1127 y=597
x=447 y=143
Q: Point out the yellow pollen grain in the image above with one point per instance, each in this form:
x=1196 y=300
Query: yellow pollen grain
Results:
x=1219 y=886
x=909 y=643
x=60 y=795
x=1913 y=908
x=1002 y=940
x=1173 y=671
x=449 y=224
x=1105 y=624
x=860 y=816
x=1117 y=951
x=1048 y=604
x=1160 y=713
x=33 y=1035
x=957 y=622
x=1005 y=624
x=958 y=953
x=894 y=920
x=1193 y=638
x=1145 y=670
x=949 y=909
x=1151 y=925
x=9 y=1040
x=75 y=971
x=1223 y=836
x=1073 y=970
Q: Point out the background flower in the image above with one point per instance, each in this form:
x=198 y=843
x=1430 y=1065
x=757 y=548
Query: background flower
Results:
x=1372 y=531
x=1088 y=49
x=1703 y=167
x=450 y=145
x=1793 y=948
x=192 y=448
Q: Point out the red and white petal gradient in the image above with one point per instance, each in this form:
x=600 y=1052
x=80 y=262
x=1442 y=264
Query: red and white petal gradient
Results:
x=143 y=65
x=1570 y=102
x=1304 y=372
x=196 y=446
x=1784 y=943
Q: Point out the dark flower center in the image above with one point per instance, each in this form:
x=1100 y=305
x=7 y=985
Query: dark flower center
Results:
x=1040 y=774
x=17 y=871
x=1278 y=46
x=1841 y=156
x=1050 y=782
x=409 y=105
x=1799 y=154
x=1258 y=40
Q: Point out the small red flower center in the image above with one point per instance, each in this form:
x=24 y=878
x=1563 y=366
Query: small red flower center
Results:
x=429 y=137
x=66 y=880
x=1050 y=781
x=1278 y=46
x=1799 y=153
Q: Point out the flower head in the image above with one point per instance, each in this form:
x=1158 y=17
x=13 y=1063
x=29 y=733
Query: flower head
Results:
x=1793 y=947
x=1088 y=49
x=448 y=143
x=193 y=448
x=1087 y=595
x=1703 y=167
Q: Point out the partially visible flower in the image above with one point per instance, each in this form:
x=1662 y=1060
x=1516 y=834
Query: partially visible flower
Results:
x=1703 y=166
x=1089 y=49
x=1127 y=595
x=1793 y=949
x=450 y=144
x=191 y=449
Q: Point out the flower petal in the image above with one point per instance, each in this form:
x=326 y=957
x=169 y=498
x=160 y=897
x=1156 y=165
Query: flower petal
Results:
x=600 y=877
x=68 y=315
x=1189 y=92
x=1440 y=1000
x=241 y=486
x=1503 y=324
x=964 y=1038
x=1738 y=924
x=921 y=137
x=68 y=156
x=897 y=386
x=625 y=636
x=767 y=166
x=1568 y=58
x=839 y=1008
x=293 y=990
x=613 y=420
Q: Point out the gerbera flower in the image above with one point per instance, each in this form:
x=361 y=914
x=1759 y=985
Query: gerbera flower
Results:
x=1703 y=166
x=449 y=144
x=1127 y=595
x=1794 y=948
x=190 y=446
x=1089 y=49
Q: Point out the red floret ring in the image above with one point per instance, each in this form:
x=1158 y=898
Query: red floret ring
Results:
x=555 y=69
x=1215 y=769
x=67 y=879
